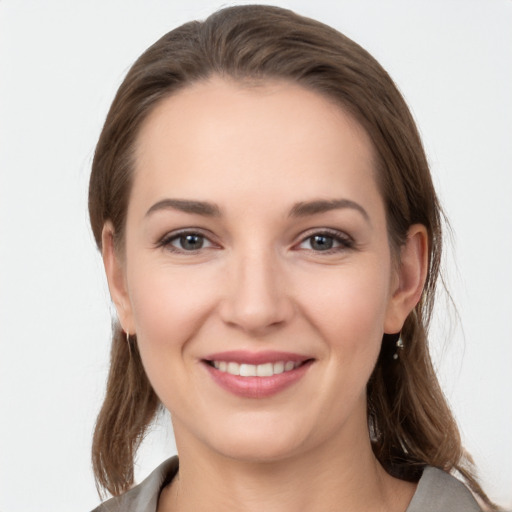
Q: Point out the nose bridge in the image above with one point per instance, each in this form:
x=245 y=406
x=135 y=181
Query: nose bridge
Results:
x=257 y=298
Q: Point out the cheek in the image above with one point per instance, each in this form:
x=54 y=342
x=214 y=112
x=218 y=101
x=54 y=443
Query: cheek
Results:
x=168 y=307
x=348 y=307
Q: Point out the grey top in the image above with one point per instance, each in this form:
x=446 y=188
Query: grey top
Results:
x=437 y=491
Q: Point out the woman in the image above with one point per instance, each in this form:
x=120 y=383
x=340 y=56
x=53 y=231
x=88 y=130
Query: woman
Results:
x=271 y=239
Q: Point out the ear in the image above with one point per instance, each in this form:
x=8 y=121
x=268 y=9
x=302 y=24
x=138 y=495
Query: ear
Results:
x=115 y=271
x=408 y=284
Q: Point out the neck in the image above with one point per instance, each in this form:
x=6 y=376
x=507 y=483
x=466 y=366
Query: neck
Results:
x=344 y=477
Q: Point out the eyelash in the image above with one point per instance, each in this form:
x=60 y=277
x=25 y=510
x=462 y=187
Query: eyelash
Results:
x=344 y=242
x=167 y=240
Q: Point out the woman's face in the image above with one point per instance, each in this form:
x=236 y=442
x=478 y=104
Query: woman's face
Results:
x=257 y=272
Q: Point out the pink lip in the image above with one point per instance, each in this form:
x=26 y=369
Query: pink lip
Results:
x=257 y=387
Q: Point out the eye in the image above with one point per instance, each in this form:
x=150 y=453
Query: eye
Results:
x=186 y=241
x=327 y=241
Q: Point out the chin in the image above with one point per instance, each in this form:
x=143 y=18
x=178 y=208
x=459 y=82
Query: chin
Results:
x=258 y=442
x=258 y=452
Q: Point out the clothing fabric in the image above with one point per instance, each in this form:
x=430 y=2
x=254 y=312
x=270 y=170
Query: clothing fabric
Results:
x=437 y=491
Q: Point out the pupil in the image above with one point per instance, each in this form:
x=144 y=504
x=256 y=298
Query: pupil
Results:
x=191 y=242
x=321 y=243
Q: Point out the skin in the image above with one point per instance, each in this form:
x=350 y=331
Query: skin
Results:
x=258 y=283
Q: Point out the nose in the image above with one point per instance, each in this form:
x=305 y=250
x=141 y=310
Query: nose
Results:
x=257 y=300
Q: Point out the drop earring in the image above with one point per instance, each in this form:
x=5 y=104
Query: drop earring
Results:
x=399 y=347
x=129 y=343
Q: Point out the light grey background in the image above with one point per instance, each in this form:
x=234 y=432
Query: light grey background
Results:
x=60 y=64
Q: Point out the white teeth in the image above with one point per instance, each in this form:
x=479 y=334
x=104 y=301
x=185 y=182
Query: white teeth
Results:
x=248 y=370
x=255 y=370
x=278 y=367
x=265 y=370
x=233 y=368
x=289 y=366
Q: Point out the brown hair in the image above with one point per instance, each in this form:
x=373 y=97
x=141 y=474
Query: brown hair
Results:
x=409 y=420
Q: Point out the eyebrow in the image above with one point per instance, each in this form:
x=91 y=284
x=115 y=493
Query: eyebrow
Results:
x=187 y=206
x=303 y=209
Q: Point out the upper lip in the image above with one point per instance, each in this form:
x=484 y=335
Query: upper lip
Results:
x=248 y=357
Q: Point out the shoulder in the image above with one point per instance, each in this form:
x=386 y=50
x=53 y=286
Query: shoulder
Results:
x=438 y=491
x=144 y=496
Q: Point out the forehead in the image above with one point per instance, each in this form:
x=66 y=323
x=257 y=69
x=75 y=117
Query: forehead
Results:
x=220 y=135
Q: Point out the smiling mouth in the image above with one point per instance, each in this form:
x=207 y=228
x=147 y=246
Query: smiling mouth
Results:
x=258 y=375
x=256 y=370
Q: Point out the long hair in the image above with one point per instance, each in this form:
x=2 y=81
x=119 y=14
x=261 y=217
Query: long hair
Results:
x=409 y=420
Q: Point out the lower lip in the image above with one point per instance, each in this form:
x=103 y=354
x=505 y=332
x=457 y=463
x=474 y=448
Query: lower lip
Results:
x=257 y=387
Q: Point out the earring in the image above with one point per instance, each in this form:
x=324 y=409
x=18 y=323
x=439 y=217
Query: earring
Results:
x=399 y=347
x=129 y=343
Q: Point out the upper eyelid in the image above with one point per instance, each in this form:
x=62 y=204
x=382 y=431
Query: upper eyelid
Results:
x=335 y=233
x=170 y=235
